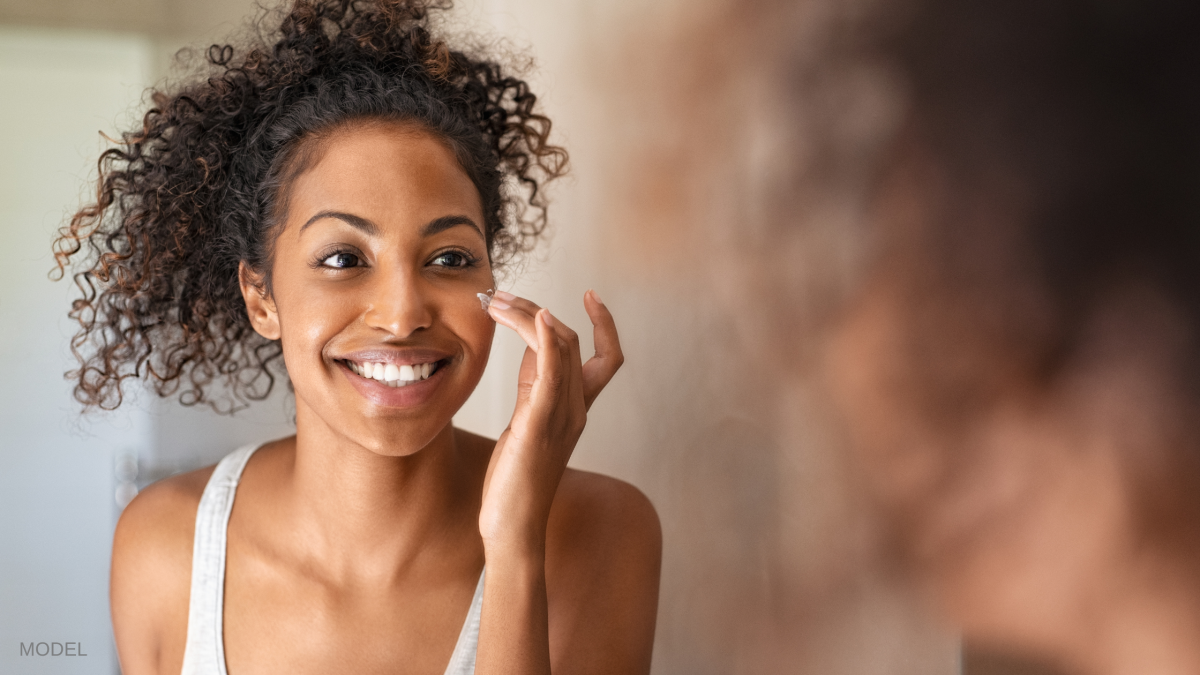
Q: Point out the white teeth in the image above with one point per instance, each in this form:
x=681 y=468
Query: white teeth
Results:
x=391 y=374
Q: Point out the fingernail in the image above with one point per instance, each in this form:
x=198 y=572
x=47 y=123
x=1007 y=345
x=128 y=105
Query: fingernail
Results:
x=548 y=318
x=596 y=296
x=500 y=304
x=506 y=295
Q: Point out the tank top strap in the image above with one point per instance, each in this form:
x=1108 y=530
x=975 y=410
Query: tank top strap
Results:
x=205 y=650
x=462 y=661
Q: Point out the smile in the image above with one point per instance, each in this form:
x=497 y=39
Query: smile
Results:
x=393 y=375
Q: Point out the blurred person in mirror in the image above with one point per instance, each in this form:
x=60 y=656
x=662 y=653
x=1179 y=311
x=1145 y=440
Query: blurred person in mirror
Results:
x=1019 y=369
x=1014 y=354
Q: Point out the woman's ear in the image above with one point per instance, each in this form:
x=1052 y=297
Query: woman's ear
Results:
x=260 y=307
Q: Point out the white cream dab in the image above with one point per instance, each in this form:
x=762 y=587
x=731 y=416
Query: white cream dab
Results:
x=485 y=299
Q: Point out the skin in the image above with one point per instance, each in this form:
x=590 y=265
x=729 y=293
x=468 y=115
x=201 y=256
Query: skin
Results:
x=355 y=545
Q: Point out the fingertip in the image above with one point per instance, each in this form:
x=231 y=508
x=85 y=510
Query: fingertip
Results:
x=595 y=296
x=596 y=309
x=546 y=317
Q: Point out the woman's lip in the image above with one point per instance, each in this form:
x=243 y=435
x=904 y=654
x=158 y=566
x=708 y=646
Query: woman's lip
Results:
x=408 y=396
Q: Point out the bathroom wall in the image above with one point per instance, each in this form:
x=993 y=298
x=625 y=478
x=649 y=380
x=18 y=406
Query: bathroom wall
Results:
x=57 y=470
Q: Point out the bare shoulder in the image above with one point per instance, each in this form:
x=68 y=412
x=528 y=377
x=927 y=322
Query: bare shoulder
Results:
x=157 y=503
x=593 y=510
x=151 y=571
x=603 y=558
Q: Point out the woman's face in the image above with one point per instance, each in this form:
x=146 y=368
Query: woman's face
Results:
x=373 y=294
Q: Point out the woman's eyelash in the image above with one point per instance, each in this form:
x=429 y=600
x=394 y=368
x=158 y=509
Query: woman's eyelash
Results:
x=464 y=258
x=322 y=258
x=468 y=260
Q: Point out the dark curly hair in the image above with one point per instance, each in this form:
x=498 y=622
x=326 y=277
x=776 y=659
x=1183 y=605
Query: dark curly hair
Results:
x=202 y=186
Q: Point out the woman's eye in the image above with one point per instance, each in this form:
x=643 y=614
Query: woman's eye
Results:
x=451 y=259
x=341 y=261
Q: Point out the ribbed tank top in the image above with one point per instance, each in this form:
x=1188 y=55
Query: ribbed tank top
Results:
x=205 y=650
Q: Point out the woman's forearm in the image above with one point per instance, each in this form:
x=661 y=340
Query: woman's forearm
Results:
x=514 y=633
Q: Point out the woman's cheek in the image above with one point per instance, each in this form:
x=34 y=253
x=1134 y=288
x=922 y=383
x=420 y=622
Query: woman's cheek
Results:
x=479 y=329
x=309 y=316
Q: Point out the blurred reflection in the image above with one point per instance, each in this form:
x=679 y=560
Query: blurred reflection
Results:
x=973 y=227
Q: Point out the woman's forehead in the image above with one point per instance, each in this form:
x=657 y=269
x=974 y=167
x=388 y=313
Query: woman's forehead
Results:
x=393 y=174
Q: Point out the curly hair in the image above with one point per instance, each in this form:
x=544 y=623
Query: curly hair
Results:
x=202 y=187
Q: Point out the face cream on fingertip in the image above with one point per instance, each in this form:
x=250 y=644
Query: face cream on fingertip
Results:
x=485 y=299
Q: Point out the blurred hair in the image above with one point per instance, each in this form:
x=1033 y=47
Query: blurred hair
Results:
x=1066 y=137
x=203 y=184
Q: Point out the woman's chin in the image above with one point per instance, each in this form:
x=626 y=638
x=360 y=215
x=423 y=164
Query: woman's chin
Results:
x=392 y=440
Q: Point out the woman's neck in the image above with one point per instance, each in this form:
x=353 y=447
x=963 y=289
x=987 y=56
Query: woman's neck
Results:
x=356 y=514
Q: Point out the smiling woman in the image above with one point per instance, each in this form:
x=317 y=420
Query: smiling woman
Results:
x=335 y=198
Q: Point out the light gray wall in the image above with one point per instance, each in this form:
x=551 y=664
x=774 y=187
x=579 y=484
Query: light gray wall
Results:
x=57 y=504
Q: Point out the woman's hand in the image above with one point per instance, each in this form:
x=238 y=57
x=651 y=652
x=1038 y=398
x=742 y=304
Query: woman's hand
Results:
x=554 y=391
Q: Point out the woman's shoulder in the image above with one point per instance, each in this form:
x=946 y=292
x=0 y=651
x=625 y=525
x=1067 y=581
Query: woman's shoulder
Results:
x=600 y=525
x=164 y=512
x=603 y=558
x=151 y=570
x=604 y=509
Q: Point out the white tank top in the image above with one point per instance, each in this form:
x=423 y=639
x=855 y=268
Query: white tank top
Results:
x=205 y=651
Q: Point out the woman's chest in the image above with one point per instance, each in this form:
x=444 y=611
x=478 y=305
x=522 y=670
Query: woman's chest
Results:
x=277 y=621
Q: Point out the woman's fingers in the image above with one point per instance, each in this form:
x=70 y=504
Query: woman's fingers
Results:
x=549 y=381
x=568 y=342
x=608 y=358
x=521 y=315
x=518 y=314
x=515 y=301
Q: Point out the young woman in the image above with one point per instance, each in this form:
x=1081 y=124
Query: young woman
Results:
x=339 y=198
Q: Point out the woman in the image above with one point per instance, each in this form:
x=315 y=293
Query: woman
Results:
x=338 y=198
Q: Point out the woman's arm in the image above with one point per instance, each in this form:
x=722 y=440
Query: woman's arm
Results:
x=523 y=484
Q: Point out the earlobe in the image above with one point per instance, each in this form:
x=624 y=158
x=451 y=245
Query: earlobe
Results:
x=260 y=307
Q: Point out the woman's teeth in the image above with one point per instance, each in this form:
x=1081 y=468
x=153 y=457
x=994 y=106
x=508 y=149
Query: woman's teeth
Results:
x=393 y=375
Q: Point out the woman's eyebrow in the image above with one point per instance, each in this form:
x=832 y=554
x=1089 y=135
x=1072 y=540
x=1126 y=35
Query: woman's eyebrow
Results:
x=350 y=219
x=446 y=222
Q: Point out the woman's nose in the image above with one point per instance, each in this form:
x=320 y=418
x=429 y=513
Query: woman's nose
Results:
x=398 y=305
